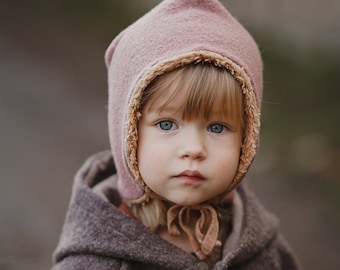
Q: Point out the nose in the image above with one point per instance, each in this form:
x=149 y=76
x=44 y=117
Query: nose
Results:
x=192 y=144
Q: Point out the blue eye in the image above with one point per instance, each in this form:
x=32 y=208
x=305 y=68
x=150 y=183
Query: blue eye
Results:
x=217 y=128
x=165 y=125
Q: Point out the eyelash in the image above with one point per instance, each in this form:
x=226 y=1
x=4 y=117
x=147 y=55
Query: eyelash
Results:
x=211 y=126
x=167 y=122
x=167 y=125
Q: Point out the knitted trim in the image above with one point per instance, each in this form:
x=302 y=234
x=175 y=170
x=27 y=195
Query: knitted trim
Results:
x=251 y=110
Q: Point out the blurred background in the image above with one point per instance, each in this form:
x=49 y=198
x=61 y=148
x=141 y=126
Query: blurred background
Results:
x=53 y=96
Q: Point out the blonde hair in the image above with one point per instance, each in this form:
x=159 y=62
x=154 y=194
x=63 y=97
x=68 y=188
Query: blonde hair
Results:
x=207 y=88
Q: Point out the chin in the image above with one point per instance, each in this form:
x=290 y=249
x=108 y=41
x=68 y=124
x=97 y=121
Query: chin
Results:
x=188 y=203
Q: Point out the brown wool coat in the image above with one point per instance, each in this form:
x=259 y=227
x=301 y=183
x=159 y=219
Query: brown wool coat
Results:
x=97 y=235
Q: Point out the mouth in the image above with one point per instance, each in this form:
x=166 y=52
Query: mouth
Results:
x=190 y=177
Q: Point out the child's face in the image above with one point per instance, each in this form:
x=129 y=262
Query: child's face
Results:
x=187 y=162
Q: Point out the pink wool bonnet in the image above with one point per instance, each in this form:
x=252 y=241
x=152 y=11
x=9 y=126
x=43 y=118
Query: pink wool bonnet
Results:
x=173 y=34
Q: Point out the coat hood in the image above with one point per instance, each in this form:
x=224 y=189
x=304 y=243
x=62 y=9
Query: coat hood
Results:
x=173 y=34
x=97 y=235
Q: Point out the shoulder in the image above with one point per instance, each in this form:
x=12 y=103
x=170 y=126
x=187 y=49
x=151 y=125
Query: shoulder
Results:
x=255 y=241
x=87 y=261
x=276 y=256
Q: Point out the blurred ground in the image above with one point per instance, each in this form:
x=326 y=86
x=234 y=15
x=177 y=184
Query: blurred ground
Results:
x=53 y=115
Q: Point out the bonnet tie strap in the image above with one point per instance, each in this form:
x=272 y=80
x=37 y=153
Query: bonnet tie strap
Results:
x=199 y=223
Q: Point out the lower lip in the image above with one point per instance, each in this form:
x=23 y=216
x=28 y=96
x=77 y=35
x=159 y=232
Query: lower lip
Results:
x=190 y=179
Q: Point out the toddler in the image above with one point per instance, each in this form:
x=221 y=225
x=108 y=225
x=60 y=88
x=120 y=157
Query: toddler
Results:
x=185 y=90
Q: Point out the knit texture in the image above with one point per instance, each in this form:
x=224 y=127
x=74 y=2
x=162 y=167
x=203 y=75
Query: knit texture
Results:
x=97 y=235
x=173 y=34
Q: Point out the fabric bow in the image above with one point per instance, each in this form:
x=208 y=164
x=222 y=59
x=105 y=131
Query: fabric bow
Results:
x=199 y=222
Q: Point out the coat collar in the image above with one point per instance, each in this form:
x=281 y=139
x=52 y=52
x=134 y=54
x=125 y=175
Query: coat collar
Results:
x=94 y=225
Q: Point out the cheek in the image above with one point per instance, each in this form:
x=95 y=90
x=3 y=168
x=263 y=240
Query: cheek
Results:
x=149 y=158
x=151 y=166
x=228 y=162
x=226 y=169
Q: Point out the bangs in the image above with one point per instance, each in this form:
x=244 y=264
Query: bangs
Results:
x=206 y=88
